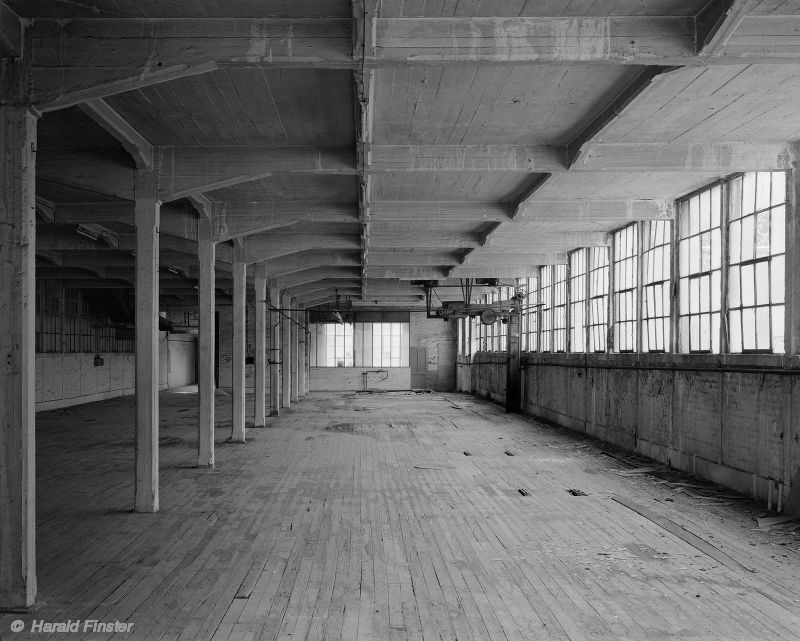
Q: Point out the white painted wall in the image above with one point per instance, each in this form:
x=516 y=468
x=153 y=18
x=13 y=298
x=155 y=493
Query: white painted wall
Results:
x=63 y=380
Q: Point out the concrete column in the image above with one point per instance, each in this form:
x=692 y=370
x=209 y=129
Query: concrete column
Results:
x=307 y=363
x=147 y=214
x=302 y=347
x=295 y=352
x=792 y=314
x=206 y=343
x=239 y=331
x=17 y=323
x=274 y=352
x=286 y=353
x=513 y=386
x=260 y=389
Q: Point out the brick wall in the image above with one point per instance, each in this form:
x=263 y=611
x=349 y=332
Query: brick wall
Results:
x=350 y=379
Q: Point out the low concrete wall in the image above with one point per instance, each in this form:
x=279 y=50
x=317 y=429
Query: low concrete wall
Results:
x=488 y=376
x=63 y=380
x=350 y=379
x=731 y=419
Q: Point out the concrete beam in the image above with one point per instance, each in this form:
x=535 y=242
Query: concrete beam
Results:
x=11 y=30
x=726 y=157
x=311 y=260
x=79 y=60
x=435 y=211
x=717 y=22
x=261 y=247
x=236 y=219
x=109 y=119
x=507 y=158
x=607 y=113
x=296 y=279
x=147 y=360
x=17 y=344
x=191 y=170
x=600 y=211
x=395 y=240
x=430 y=258
x=643 y=40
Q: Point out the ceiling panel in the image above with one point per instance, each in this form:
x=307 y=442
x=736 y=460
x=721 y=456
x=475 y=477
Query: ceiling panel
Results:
x=490 y=104
x=714 y=104
x=251 y=107
x=510 y=8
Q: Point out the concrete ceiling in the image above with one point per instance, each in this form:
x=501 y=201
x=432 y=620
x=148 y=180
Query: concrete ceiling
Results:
x=361 y=146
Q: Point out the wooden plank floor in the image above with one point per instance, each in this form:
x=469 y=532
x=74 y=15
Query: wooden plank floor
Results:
x=361 y=517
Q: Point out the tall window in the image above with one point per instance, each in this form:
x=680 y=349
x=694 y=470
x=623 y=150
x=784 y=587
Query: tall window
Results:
x=577 y=297
x=530 y=316
x=599 y=272
x=655 y=286
x=333 y=345
x=699 y=270
x=546 y=309
x=626 y=267
x=359 y=345
x=559 y=308
x=756 y=240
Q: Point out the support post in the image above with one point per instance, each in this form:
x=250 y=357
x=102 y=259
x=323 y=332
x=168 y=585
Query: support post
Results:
x=286 y=353
x=206 y=343
x=307 y=363
x=295 y=351
x=239 y=330
x=147 y=214
x=792 y=314
x=260 y=389
x=513 y=360
x=17 y=320
x=301 y=355
x=275 y=352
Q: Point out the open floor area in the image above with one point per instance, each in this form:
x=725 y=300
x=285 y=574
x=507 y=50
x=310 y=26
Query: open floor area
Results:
x=394 y=515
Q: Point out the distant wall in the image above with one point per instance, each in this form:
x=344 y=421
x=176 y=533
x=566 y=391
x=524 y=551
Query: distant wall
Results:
x=440 y=342
x=350 y=379
x=63 y=380
x=731 y=419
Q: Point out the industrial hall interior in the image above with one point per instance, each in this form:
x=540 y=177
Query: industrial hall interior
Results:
x=385 y=320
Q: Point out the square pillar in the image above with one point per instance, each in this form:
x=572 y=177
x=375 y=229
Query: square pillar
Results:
x=274 y=352
x=206 y=343
x=308 y=351
x=147 y=214
x=260 y=389
x=286 y=353
x=239 y=331
x=295 y=351
x=17 y=362
x=302 y=345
